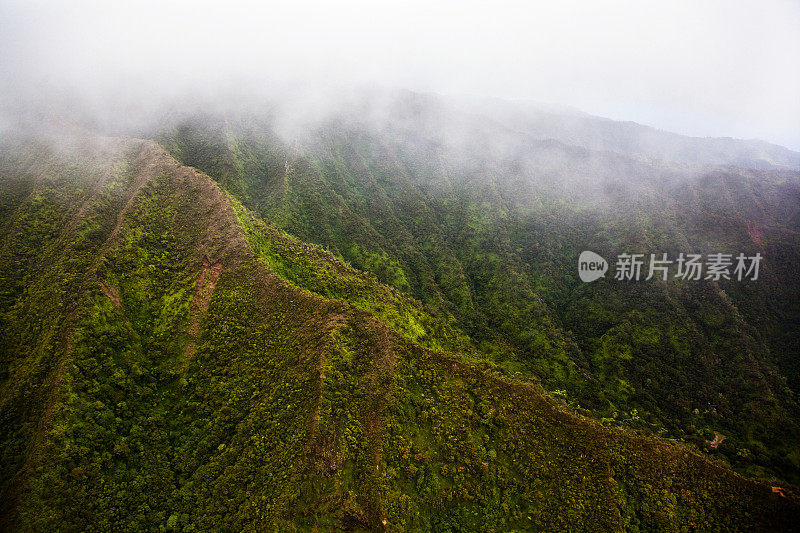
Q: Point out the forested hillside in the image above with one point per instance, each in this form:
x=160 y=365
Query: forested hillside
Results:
x=484 y=225
x=372 y=324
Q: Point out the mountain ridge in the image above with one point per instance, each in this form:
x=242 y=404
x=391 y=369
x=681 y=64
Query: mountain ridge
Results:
x=489 y=241
x=579 y=128
x=374 y=322
x=161 y=183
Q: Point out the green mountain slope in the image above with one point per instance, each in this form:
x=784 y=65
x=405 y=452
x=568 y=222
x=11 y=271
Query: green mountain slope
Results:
x=170 y=361
x=484 y=224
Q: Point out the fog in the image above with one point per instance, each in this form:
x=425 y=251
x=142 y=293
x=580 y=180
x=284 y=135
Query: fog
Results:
x=707 y=68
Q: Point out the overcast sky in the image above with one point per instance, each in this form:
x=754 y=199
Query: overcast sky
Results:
x=727 y=68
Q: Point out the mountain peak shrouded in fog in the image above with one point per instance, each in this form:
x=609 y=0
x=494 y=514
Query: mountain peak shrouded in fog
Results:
x=296 y=111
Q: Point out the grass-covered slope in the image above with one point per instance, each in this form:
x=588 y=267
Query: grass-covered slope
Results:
x=170 y=362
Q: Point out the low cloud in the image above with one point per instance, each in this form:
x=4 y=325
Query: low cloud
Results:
x=700 y=68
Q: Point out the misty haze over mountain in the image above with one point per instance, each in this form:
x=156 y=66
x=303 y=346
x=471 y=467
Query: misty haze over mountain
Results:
x=712 y=68
x=318 y=267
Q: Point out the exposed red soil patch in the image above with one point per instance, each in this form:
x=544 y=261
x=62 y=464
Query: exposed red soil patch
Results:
x=755 y=232
x=718 y=438
x=202 y=296
x=111 y=292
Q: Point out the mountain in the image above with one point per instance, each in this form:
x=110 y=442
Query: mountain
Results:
x=374 y=322
x=485 y=224
x=576 y=128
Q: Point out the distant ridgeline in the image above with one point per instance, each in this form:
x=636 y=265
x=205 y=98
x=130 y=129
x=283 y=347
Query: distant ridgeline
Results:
x=380 y=326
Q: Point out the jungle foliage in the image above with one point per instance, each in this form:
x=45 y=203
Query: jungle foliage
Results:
x=491 y=244
x=347 y=336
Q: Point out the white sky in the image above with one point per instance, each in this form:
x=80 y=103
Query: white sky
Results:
x=697 y=67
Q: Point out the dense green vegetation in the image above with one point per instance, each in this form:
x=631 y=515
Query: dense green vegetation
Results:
x=346 y=335
x=489 y=241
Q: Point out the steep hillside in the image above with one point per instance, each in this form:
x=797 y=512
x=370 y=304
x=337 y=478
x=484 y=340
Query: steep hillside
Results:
x=170 y=361
x=484 y=225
